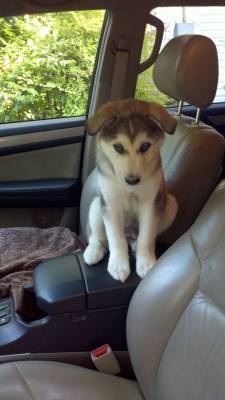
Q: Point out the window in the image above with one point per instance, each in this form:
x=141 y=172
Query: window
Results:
x=146 y=89
x=208 y=21
x=46 y=64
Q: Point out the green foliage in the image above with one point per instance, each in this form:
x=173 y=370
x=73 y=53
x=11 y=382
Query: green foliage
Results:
x=146 y=89
x=46 y=64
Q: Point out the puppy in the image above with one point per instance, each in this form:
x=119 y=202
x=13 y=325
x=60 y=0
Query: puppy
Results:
x=132 y=202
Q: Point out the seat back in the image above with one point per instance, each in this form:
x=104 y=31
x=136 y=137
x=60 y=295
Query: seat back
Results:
x=192 y=156
x=192 y=163
x=176 y=319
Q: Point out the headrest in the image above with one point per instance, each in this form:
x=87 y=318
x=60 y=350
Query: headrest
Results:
x=187 y=70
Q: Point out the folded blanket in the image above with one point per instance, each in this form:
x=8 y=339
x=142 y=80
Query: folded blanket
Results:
x=21 y=249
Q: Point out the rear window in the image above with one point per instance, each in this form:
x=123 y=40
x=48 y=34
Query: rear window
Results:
x=208 y=21
x=46 y=64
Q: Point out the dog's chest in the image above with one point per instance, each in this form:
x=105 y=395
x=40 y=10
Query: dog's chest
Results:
x=131 y=215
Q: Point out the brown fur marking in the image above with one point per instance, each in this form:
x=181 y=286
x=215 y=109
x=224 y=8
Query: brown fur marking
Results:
x=160 y=200
x=110 y=114
x=131 y=126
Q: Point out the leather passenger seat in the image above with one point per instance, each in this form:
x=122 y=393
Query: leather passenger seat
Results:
x=192 y=157
x=187 y=71
x=175 y=330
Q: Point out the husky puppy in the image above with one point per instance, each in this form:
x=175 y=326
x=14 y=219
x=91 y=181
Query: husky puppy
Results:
x=132 y=202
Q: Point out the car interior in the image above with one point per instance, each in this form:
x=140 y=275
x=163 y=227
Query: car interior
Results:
x=161 y=337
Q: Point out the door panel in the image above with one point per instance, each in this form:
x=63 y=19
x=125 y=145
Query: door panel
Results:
x=38 y=217
x=43 y=192
x=53 y=162
x=36 y=140
x=40 y=173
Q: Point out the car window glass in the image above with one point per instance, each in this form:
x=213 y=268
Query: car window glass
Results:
x=46 y=62
x=146 y=88
x=208 y=21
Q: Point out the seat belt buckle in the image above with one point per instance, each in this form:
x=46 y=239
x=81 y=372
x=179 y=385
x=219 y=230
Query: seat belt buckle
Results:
x=105 y=360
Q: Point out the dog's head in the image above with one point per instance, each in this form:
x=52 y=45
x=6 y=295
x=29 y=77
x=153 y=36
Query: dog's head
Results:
x=130 y=134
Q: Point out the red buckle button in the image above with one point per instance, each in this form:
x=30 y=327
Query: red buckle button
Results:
x=100 y=351
x=105 y=360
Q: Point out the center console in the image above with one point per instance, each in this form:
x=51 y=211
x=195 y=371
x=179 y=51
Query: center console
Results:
x=79 y=308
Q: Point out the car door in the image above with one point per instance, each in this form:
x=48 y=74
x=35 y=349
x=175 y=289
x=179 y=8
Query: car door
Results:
x=47 y=62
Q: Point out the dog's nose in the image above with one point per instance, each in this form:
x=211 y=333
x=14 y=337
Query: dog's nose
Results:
x=132 y=179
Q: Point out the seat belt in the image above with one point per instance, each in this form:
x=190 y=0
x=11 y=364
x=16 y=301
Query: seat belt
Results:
x=105 y=360
x=121 y=52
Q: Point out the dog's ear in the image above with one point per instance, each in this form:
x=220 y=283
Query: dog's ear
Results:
x=157 y=115
x=104 y=117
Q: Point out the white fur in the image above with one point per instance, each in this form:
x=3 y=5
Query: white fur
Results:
x=124 y=204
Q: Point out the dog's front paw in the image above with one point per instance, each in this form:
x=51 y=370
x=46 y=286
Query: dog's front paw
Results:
x=118 y=268
x=94 y=253
x=144 y=264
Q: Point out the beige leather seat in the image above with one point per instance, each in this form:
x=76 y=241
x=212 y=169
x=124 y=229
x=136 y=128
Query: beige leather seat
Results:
x=175 y=330
x=179 y=314
x=192 y=157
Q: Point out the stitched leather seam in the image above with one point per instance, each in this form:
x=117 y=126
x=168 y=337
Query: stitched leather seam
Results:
x=181 y=312
x=216 y=244
x=25 y=381
x=196 y=252
x=201 y=268
x=212 y=301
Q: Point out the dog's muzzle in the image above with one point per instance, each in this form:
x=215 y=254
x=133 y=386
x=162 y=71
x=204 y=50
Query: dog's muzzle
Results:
x=132 y=179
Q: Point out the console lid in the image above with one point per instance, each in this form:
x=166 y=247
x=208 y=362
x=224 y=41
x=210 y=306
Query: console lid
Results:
x=58 y=285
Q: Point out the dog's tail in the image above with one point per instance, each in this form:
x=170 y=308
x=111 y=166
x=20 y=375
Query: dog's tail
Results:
x=169 y=213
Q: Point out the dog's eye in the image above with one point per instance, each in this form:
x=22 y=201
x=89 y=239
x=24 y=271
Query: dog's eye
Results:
x=144 y=147
x=119 y=148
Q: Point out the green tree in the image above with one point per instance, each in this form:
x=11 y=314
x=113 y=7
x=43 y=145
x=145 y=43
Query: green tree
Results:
x=146 y=89
x=46 y=64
